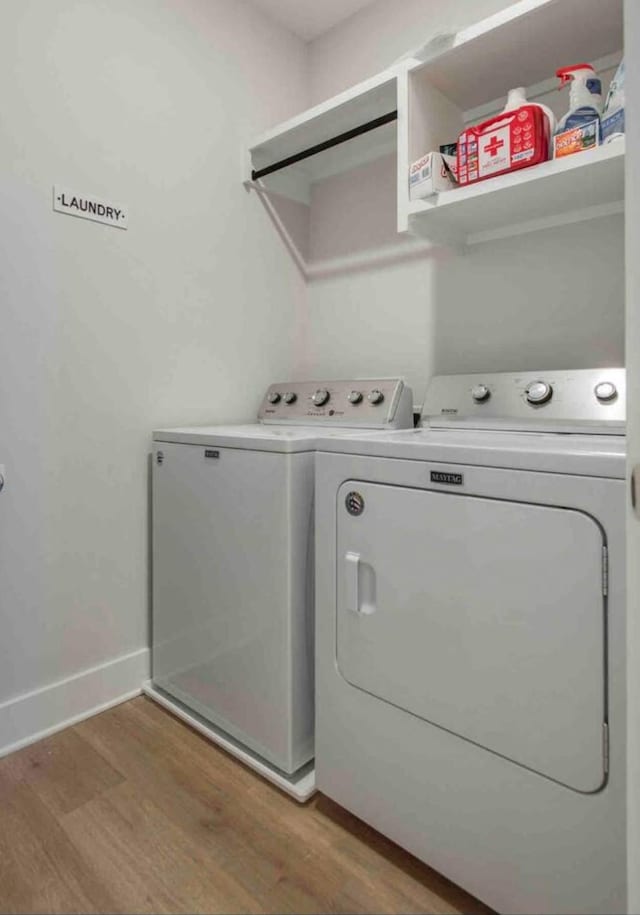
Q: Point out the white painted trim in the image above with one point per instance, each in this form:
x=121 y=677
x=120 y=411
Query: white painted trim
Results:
x=300 y=788
x=42 y=712
x=402 y=159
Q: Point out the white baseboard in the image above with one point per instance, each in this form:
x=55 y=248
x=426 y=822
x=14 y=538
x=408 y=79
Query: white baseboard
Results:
x=35 y=715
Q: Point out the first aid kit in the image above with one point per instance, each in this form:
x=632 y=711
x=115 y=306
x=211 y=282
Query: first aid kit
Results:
x=512 y=140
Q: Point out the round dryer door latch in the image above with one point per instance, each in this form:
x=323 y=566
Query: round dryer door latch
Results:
x=355 y=504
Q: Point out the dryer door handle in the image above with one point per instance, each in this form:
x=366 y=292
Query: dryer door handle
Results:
x=635 y=490
x=352 y=582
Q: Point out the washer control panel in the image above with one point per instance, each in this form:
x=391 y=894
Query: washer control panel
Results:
x=377 y=403
x=589 y=400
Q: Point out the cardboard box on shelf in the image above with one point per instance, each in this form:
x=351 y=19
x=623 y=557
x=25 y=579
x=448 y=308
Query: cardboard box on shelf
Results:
x=432 y=174
x=577 y=139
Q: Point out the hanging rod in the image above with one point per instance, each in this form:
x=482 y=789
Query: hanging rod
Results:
x=327 y=144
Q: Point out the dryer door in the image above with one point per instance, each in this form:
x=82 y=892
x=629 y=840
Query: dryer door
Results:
x=483 y=617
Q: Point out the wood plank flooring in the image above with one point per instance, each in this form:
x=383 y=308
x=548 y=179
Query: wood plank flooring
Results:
x=131 y=811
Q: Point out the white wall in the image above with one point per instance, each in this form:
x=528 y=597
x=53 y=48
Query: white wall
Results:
x=552 y=299
x=382 y=32
x=106 y=334
x=186 y=317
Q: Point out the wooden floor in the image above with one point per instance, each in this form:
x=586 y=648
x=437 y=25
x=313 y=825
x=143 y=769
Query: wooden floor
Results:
x=132 y=811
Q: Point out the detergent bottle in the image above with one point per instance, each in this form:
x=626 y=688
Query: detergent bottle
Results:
x=585 y=102
x=518 y=97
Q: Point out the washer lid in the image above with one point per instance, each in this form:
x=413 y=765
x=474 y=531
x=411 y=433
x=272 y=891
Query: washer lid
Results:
x=580 y=455
x=254 y=437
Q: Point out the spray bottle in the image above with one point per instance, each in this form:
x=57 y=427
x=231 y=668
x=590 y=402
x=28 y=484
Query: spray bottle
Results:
x=613 y=119
x=585 y=103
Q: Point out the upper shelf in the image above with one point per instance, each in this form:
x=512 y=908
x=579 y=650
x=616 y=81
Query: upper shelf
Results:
x=454 y=79
x=521 y=45
x=464 y=78
x=368 y=101
x=558 y=192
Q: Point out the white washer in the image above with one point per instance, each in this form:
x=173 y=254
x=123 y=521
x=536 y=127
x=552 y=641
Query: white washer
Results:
x=470 y=633
x=232 y=634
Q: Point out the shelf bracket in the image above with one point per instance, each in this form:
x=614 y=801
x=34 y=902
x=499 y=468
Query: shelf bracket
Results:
x=326 y=144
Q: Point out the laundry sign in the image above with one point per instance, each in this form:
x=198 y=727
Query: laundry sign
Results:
x=87 y=206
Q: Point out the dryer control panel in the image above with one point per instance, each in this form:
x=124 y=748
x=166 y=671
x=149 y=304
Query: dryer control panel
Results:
x=371 y=403
x=584 y=400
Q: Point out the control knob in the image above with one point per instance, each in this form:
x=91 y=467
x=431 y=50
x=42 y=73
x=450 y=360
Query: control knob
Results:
x=606 y=391
x=355 y=397
x=321 y=397
x=481 y=393
x=273 y=397
x=376 y=398
x=538 y=393
x=290 y=398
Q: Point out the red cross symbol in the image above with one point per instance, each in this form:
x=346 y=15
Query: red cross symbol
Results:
x=494 y=147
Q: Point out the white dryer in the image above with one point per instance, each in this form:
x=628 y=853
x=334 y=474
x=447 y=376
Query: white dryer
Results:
x=470 y=636
x=232 y=622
